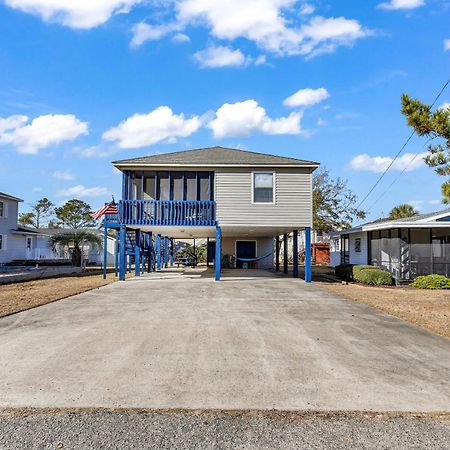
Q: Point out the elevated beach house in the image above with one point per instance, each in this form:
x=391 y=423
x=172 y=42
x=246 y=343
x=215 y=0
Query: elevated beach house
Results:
x=242 y=202
x=418 y=245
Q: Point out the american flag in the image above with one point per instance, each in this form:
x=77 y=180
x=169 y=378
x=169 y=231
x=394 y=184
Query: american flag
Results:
x=109 y=208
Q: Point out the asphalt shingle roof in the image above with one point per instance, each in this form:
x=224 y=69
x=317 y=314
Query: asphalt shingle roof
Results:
x=216 y=155
x=11 y=197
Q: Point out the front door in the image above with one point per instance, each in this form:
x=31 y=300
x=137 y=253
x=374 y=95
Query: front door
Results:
x=245 y=249
x=29 y=247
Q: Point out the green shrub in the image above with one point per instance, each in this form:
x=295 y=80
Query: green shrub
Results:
x=431 y=282
x=357 y=270
x=344 y=271
x=374 y=277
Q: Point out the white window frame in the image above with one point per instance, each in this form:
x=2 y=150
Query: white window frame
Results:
x=274 y=195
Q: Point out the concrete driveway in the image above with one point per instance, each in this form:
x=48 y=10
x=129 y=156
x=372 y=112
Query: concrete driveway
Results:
x=174 y=341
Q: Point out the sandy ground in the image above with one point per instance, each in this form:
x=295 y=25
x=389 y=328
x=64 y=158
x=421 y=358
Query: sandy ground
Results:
x=426 y=308
x=29 y=294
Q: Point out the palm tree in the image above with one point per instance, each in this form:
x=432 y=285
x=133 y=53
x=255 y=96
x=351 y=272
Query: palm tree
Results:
x=402 y=211
x=73 y=240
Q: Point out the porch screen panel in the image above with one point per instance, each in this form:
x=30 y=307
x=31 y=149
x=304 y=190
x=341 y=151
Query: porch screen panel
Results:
x=203 y=186
x=375 y=249
x=137 y=187
x=149 y=187
x=420 y=249
x=441 y=252
x=164 y=187
x=177 y=185
x=405 y=254
x=392 y=249
x=191 y=186
x=385 y=259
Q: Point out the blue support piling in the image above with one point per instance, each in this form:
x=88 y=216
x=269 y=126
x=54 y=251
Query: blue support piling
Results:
x=149 y=252
x=218 y=256
x=285 y=253
x=158 y=252
x=295 y=254
x=308 y=274
x=116 y=254
x=137 y=253
x=123 y=257
x=171 y=253
x=105 y=251
x=166 y=251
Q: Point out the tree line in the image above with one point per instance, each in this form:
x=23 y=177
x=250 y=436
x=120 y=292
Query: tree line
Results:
x=74 y=214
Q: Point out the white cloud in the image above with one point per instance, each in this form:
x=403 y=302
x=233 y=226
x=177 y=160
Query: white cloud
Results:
x=401 y=4
x=447 y=44
x=307 y=9
x=43 y=131
x=324 y=35
x=66 y=175
x=243 y=118
x=221 y=56
x=82 y=191
x=143 y=32
x=321 y=122
x=445 y=106
x=181 y=37
x=11 y=122
x=264 y=22
x=306 y=97
x=379 y=164
x=74 y=13
x=161 y=124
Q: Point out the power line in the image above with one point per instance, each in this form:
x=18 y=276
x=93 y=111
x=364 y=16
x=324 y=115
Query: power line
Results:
x=400 y=174
x=401 y=150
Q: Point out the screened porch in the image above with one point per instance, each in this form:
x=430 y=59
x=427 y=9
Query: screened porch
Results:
x=410 y=252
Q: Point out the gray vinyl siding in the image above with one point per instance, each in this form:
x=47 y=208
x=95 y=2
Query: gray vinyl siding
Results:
x=293 y=198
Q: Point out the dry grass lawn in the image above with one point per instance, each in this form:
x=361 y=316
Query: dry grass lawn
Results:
x=426 y=308
x=29 y=294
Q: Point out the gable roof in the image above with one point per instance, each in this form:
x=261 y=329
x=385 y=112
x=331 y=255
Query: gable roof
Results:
x=434 y=219
x=10 y=197
x=214 y=157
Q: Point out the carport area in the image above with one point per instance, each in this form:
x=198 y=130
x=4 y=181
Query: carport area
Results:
x=180 y=340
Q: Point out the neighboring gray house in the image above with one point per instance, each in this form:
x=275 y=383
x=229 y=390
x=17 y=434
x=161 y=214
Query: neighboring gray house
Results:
x=241 y=199
x=418 y=245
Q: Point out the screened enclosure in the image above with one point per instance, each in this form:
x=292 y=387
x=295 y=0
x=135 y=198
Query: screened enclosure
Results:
x=410 y=252
x=173 y=185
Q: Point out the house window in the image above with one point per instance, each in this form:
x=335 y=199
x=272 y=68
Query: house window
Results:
x=2 y=209
x=357 y=245
x=263 y=187
x=1 y=242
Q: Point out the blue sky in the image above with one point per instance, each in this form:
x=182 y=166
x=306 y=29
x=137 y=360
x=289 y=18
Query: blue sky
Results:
x=88 y=82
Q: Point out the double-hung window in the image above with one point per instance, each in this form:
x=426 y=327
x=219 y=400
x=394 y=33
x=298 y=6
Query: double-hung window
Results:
x=2 y=209
x=263 y=187
x=1 y=242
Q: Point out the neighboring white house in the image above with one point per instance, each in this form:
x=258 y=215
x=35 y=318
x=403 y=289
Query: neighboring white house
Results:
x=418 y=245
x=15 y=242
x=19 y=243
